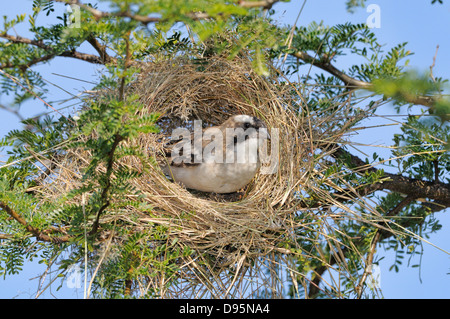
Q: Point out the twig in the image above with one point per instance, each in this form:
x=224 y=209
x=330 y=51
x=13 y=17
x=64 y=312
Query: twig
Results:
x=325 y=65
x=105 y=191
x=38 y=234
x=373 y=245
x=44 y=276
x=434 y=63
x=291 y=33
x=83 y=203
x=265 y=4
x=19 y=39
x=416 y=188
x=50 y=53
x=12 y=78
x=44 y=174
x=436 y=171
x=101 y=49
x=86 y=296
x=15 y=112
x=117 y=139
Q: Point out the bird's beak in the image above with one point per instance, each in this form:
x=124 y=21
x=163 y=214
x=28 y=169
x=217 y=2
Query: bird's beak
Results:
x=263 y=133
x=258 y=123
x=262 y=128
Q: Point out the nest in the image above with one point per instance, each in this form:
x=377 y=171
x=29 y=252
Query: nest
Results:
x=224 y=232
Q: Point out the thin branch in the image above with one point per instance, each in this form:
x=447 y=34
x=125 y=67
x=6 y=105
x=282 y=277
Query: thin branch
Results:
x=48 y=169
x=327 y=66
x=105 y=191
x=69 y=54
x=91 y=58
x=436 y=191
x=101 y=50
x=434 y=63
x=27 y=65
x=436 y=170
x=117 y=139
x=381 y=234
x=15 y=80
x=19 y=39
x=38 y=234
x=376 y=239
x=353 y=83
x=15 y=112
x=265 y=4
x=416 y=188
x=51 y=53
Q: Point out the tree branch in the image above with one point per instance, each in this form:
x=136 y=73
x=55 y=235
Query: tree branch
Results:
x=6 y=236
x=51 y=54
x=327 y=66
x=69 y=54
x=81 y=56
x=353 y=83
x=19 y=39
x=25 y=66
x=376 y=239
x=265 y=4
x=40 y=235
x=15 y=112
x=380 y=234
x=101 y=50
x=437 y=191
x=105 y=192
x=414 y=189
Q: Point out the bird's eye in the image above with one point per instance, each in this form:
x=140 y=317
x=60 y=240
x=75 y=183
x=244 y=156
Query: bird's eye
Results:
x=246 y=125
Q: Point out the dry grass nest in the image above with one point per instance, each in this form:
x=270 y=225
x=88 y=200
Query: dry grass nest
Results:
x=232 y=230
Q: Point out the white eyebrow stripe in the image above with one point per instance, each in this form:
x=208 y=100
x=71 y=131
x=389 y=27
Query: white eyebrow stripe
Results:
x=242 y=118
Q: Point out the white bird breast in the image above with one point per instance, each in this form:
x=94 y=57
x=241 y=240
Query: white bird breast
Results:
x=218 y=172
x=240 y=146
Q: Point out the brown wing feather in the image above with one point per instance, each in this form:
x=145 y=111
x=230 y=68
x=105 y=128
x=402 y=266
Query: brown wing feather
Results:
x=168 y=147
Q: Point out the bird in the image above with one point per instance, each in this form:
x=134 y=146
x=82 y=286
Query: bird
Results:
x=220 y=159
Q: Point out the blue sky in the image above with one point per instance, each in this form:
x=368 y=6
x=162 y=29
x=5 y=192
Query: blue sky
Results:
x=422 y=25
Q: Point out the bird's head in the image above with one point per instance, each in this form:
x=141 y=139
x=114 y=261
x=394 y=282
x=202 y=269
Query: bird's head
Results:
x=245 y=122
x=246 y=126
